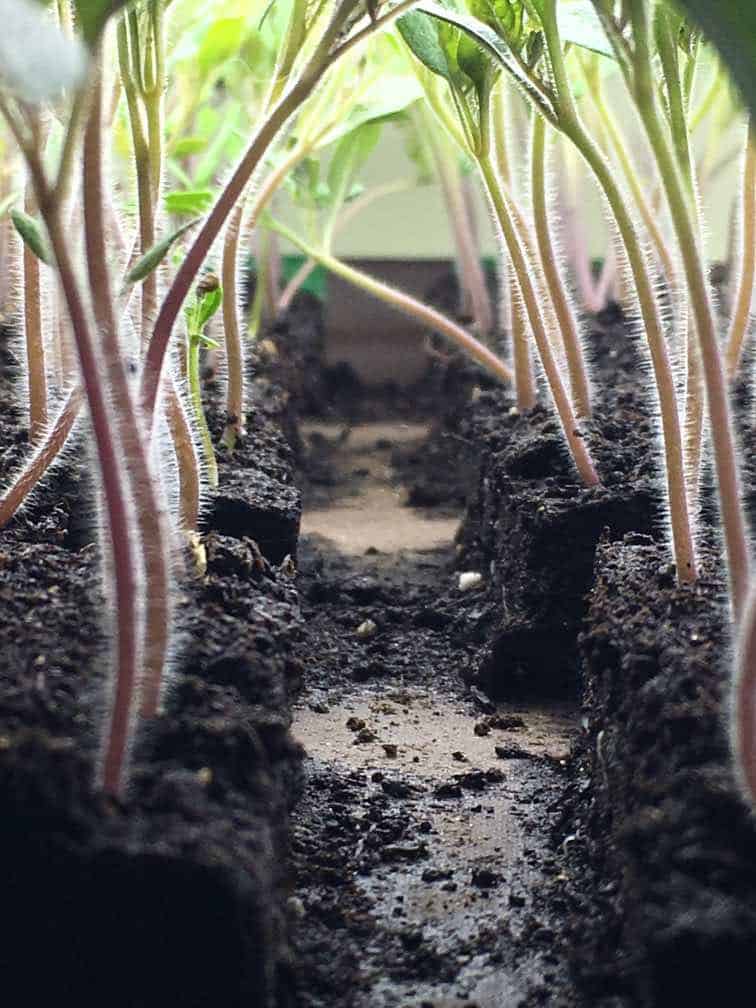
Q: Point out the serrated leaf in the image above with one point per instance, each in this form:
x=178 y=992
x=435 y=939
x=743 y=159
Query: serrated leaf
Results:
x=150 y=261
x=188 y=202
x=37 y=61
x=32 y=236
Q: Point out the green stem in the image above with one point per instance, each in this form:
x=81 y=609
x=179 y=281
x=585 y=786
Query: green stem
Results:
x=725 y=458
x=194 y=342
x=404 y=303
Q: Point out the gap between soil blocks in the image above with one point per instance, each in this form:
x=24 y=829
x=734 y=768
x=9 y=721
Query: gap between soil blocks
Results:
x=426 y=840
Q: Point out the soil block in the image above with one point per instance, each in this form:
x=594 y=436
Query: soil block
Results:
x=675 y=844
x=532 y=528
x=174 y=895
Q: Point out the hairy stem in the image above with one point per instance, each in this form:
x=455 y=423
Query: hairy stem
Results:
x=728 y=482
x=530 y=299
x=118 y=524
x=232 y=332
x=406 y=304
x=569 y=121
x=156 y=603
x=36 y=370
x=46 y=451
x=581 y=393
x=741 y=315
x=200 y=420
x=743 y=724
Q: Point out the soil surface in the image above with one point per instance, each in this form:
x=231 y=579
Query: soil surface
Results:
x=664 y=825
x=426 y=838
x=178 y=889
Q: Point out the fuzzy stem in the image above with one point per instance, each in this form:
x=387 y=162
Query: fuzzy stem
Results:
x=530 y=299
x=742 y=313
x=118 y=525
x=36 y=373
x=728 y=482
x=46 y=451
x=186 y=460
x=682 y=535
x=743 y=723
x=232 y=331
x=195 y=391
x=156 y=605
x=404 y=303
x=471 y=275
x=581 y=393
x=649 y=218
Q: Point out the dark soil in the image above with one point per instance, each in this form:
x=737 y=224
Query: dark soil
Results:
x=174 y=895
x=386 y=911
x=470 y=865
x=662 y=821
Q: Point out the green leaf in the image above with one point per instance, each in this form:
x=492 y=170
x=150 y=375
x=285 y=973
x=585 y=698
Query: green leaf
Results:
x=187 y=202
x=485 y=37
x=580 y=24
x=188 y=146
x=223 y=147
x=392 y=93
x=93 y=15
x=421 y=35
x=731 y=26
x=152 y=259
x=208 y=305
x=222 y=40
x=32 y=236
x=351 y=153
x=37 y=61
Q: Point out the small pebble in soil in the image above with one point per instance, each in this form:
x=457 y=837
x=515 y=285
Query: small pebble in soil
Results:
x=448 y=791
x=511 y=752
x=485 y=878
x=390 y=749
x=459 y=756
x=397 y=788
x=355 y=724
x=364 y=736
x=469 y=580
x=368 y=628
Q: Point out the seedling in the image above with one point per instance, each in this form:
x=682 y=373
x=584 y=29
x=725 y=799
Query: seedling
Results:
x=207 y=301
